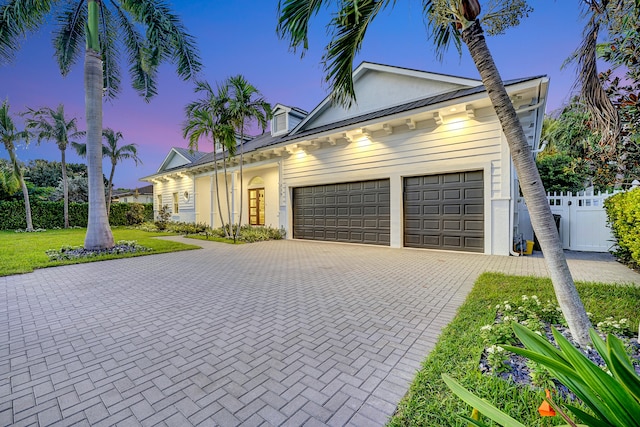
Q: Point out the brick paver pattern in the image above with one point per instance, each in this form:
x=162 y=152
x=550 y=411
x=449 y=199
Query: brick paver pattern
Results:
x=273 y=333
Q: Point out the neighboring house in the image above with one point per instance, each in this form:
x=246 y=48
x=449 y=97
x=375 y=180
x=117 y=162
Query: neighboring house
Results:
x=419 y=161
x=139 y=195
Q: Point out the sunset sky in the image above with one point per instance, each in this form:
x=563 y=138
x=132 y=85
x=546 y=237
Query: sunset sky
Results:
x=238 y=37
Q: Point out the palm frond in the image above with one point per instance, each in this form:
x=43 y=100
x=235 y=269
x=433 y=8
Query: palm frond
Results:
x=294 y=21
x=143 y=76
x=441 y=26
x=199 y=124
x=69 y=35
x=110 y=53
x=80 y=147
x=349 y=26
x=167 y=37
x=17 y=18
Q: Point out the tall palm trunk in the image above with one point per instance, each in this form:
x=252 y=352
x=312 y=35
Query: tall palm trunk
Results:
x=227 y=233
x=25 y=191
x=237 y=233
x=215 y=179
x=531 y=185
x=99 y=234
x=65 y=188
x=113 y=171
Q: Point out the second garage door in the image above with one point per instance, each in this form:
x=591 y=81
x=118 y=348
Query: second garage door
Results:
x=356 y=212
x=445 y=211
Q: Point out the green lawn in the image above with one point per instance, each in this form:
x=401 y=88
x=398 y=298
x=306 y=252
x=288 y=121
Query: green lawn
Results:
x=430 y=403
x=24 y=252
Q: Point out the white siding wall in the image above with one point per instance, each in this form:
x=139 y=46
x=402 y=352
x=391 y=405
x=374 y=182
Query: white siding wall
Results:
x=167 y=188
x=459 y=144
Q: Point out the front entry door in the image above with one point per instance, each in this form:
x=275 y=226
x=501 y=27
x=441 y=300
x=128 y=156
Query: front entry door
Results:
x=256 y=206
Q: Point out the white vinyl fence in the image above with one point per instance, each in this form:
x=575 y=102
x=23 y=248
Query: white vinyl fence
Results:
x=583 y=220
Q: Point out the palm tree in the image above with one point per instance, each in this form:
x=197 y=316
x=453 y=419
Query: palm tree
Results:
x=116 y=153
x=208 y=117
x=617 y=17
x=9 y=183
x=99 y=25
x=10 y=135
x=53 y=125
x=245 y=105
x=449 y=21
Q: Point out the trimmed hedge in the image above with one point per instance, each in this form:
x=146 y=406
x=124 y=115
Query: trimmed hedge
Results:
x=623 y=213
x=50 y=215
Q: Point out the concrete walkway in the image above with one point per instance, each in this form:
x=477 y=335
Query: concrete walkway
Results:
x=273 y=333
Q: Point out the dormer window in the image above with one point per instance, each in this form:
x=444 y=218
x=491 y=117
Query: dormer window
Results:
x=280 y=123
x=285 y=119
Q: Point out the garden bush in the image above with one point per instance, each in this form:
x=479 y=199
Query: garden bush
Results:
x=623 y=215
x=49 y=215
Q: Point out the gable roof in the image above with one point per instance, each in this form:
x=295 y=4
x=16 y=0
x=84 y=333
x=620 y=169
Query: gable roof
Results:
x=413 y=105
x=417 y=106
x=179 y=157
x=402 y=85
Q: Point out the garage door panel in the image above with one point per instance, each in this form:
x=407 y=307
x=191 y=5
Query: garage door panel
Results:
x=473 y=225
x=475 y=176
x=474 y=209
x=451 y=209
x=452 y=194
x=370 y=211
x=454 y=178
x=452 y=241
x=433 y=224
x=473 y=193
x=452 y=225
x=473 y=242
x=448 y=214
x=431 y=195
x=347 y=212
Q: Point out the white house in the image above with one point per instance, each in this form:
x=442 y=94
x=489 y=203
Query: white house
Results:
x=138 y=195
x=419 y=161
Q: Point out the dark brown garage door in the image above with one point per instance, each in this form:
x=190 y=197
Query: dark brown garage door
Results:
x=445 y=211
x=356 y=212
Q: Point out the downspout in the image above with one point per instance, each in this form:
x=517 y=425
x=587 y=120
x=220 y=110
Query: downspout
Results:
x=514 y=188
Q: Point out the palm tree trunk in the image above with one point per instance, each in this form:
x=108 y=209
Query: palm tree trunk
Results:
x=237 y=234
x=215 y=178
x=23 y=185
x=113 y=170
x=227 y=233
x=65 y=188
x=531 y=185
x=99 y=234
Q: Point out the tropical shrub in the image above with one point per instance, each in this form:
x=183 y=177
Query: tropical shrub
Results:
x=623 y=215
x=163 y=217
x=136 y=213
x=251 y=234
x=613 y=395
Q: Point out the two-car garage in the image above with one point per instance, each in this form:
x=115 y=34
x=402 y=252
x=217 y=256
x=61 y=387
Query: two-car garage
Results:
x=444 y=211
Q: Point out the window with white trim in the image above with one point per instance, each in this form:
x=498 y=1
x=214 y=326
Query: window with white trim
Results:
x=176 y=203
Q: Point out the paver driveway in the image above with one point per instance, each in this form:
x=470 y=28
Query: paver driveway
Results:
x=274 y=333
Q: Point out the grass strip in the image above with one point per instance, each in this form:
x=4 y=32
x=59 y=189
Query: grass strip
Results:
x=429 y=401
x=24 y=252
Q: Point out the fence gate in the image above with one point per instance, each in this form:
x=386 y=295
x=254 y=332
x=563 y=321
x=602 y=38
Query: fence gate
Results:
x=583 y=220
